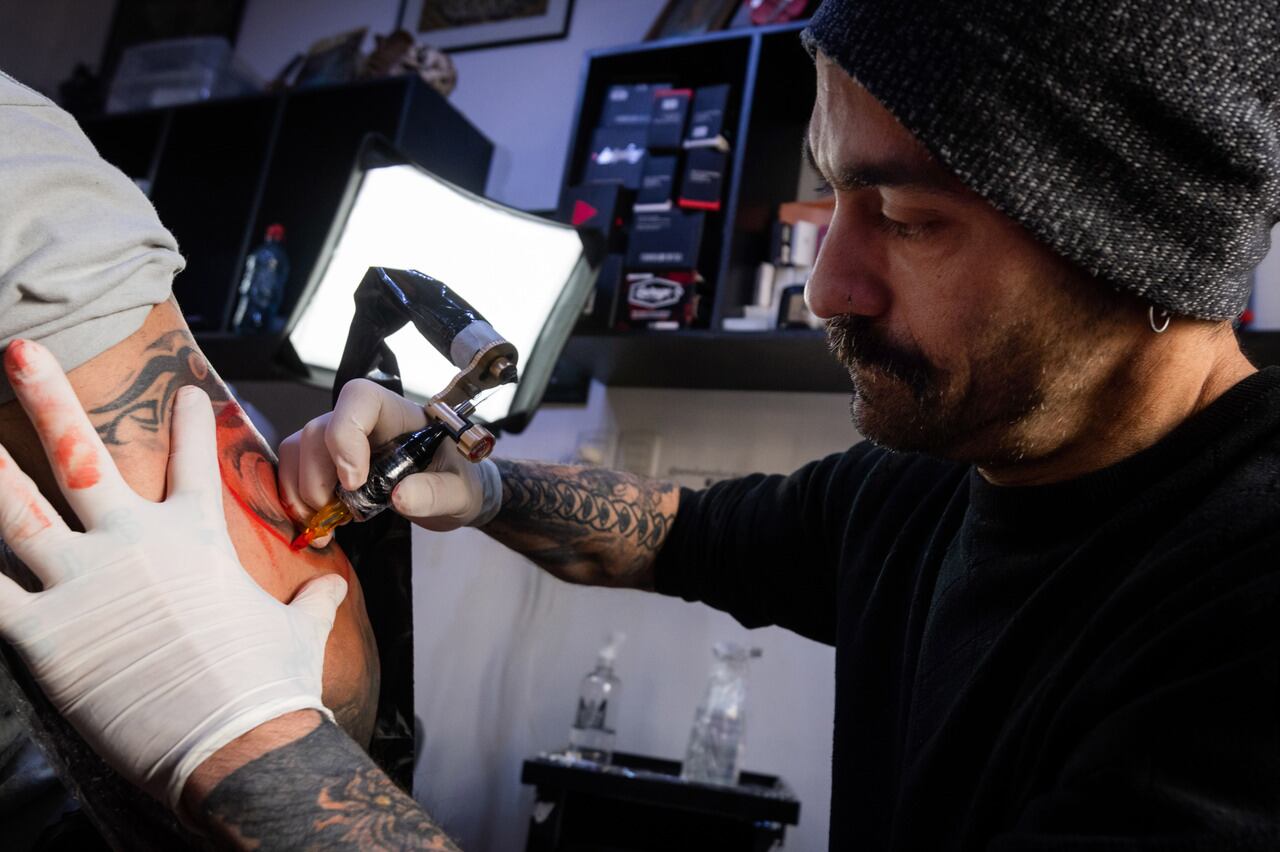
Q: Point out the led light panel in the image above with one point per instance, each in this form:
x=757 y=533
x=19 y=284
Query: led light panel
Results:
x=524 y=274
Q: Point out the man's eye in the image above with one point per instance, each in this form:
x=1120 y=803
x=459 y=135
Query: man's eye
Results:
x=902 y=230
x=823 y=189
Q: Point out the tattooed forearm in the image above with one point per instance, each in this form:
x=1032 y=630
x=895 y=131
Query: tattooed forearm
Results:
x=317 y=792
x=585 y=525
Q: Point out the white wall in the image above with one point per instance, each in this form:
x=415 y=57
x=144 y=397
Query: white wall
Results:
x=41 y=42
x=501 y=646
x=1266 y=287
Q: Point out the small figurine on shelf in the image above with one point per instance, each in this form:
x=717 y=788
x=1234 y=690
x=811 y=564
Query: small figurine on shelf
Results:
x=338 y=59
x=400 y=53
x=765 y=12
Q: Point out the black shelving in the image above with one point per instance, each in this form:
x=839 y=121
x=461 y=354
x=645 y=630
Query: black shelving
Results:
x=221 y=171
x=773 y=86
x=772 y=89
x=778 y=361
x=757 y=361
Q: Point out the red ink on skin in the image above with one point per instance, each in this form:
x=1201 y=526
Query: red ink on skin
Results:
x=230 y=417
x=253 y=516
x=304 y=538
x=253 y=482
x=77 y=460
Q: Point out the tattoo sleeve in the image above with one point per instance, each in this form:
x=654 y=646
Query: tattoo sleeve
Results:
x=318 y=792
x=585 y=525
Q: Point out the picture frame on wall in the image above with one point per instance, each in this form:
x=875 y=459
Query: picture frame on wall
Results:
x=691 y=18
x=457 y=25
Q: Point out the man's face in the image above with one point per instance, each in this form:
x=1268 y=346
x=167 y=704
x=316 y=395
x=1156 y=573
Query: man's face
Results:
x=964 y=337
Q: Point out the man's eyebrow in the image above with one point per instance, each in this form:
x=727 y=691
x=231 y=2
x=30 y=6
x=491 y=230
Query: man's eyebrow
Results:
x=928 y=177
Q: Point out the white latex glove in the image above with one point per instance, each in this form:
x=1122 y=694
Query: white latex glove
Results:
x=336 y=447
x=149 y=636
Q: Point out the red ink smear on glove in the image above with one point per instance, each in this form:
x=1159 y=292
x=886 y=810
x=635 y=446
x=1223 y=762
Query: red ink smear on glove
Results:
x=17 y=360
x=77 y=461
x=33 y=520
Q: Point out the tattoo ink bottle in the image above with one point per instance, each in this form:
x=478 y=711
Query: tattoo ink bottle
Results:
x=592 y=734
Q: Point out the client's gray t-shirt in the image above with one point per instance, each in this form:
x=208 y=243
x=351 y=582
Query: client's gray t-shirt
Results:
x=83 y=256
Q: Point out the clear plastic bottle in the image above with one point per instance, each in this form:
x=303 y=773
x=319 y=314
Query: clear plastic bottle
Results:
x=717 y=741
x=262 y=286
x=592 y=734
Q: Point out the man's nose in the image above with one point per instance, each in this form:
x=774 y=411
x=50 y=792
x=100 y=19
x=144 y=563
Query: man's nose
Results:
x=847 y=278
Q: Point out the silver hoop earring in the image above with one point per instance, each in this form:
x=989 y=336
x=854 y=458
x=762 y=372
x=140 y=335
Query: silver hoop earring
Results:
x=1151 y=318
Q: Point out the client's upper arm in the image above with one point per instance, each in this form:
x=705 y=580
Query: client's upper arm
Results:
x=128 y=390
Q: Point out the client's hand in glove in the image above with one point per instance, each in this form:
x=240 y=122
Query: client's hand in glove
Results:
x=148 y=636
x=336 y=447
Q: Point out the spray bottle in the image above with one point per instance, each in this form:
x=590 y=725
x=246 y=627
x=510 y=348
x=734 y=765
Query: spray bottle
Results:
x=592 y=734
x=716 y=741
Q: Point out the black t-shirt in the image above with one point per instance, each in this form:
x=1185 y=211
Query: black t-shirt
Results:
x=1088 y=665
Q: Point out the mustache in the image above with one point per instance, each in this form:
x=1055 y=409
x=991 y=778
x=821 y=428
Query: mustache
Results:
x=857 y=341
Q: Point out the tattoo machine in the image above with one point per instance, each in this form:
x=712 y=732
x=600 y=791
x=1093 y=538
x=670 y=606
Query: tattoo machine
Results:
x=386 y=300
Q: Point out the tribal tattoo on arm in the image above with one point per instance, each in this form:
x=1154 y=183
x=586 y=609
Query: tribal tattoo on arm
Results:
x=132 y=413
x=317 y=792
x=142 y=406
x=585 y=525
x=147 y=397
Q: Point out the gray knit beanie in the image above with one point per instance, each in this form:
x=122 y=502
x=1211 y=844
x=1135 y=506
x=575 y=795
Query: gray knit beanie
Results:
x=1138 y=138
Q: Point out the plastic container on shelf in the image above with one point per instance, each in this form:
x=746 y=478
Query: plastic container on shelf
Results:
x=177 y=71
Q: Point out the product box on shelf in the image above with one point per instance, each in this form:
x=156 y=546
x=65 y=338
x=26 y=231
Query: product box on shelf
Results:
x=666 y=122
x=657 y=187
x=707 y=118
x=598 y=206
x=661 y=241
x=703 y=179
x=617 y=156
x=629 y=105
x=662 y=300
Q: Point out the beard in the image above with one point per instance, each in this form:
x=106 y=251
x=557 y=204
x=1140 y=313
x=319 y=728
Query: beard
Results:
x=904 y=401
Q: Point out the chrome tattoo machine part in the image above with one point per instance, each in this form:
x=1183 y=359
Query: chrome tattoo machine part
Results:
x=386 y=299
